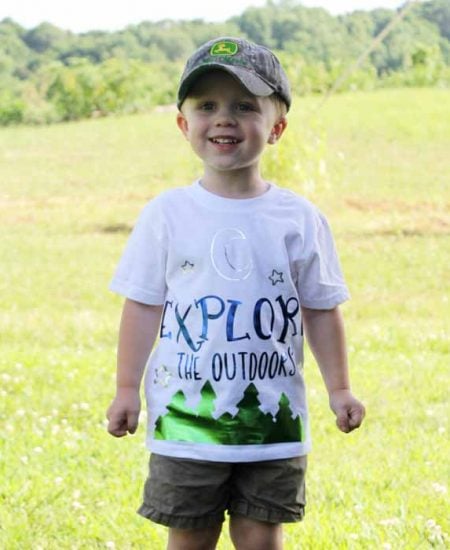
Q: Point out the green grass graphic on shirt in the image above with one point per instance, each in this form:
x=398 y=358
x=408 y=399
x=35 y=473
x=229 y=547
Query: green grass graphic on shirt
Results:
x=249 y=426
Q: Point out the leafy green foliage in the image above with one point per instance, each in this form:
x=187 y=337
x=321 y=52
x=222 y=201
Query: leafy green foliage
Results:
x=52 y=75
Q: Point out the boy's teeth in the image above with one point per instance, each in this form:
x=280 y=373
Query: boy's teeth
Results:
x=224 y=140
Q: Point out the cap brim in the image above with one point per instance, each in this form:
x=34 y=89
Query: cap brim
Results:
x=251 y=82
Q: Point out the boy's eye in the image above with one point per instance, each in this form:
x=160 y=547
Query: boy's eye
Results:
x=207 y=106
x=244 y=107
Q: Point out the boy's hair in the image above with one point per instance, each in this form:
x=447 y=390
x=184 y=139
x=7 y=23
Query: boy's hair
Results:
x=254 y=66
x=280 y=105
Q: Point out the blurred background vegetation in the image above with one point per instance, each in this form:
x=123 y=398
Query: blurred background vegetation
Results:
x=48 y=74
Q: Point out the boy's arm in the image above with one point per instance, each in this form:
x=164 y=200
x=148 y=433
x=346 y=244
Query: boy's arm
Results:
x=138 y=330
x=326 y=337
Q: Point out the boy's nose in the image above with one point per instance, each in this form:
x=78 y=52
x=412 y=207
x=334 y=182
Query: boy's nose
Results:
x=225 y=117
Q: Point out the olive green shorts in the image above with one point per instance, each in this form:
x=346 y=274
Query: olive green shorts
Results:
x=190 y=494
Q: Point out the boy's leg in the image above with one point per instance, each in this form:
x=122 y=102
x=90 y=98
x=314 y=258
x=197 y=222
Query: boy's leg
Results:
x=194 y=539
x=189 y=497
x=249 y=534
x=264 y=495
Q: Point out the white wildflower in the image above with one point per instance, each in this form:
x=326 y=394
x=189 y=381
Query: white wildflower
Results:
x=439 y=488
x=390 y=522
x=435 y=532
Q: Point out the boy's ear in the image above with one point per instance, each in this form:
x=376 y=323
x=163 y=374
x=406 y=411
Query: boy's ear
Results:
x=277 y=131
x=182 y=124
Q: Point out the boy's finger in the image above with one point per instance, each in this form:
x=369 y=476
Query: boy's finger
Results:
x=356 y=418
x=132 y=422
x=116 y=427
x=342 y=421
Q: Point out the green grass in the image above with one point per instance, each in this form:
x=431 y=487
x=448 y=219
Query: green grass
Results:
x=378 y=165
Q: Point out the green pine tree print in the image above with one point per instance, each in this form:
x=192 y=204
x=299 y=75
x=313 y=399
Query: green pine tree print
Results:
x=250 y=426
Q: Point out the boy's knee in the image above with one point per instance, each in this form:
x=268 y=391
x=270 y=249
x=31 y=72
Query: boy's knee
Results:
x=249 y=534
x=194 y=539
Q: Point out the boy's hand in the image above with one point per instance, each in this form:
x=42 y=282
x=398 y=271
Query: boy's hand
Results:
x=348 y=410
x=123 y=413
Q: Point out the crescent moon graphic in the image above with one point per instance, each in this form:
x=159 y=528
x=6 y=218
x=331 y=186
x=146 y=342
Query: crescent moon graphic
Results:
x=231 y=254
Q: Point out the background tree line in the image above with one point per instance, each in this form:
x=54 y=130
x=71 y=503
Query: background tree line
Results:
x=48 y=74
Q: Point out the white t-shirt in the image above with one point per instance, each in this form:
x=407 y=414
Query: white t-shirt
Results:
x=225 y=381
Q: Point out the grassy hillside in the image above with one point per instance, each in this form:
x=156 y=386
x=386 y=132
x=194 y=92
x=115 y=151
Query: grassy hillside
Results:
x=378 y=166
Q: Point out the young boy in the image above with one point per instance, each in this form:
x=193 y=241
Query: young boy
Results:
x=229 y=272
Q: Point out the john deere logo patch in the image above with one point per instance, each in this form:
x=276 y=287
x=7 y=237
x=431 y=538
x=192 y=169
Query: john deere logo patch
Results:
x=224 y=48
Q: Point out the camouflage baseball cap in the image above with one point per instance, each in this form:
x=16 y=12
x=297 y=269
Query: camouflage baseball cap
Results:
x=256 y=67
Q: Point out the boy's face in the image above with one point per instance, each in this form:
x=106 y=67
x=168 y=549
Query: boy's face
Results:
x=227 y=126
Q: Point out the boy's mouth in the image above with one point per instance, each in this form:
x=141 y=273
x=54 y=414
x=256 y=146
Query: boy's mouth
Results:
x=224 y=140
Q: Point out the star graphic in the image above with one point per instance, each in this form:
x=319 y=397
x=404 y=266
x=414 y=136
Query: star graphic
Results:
x=187 y=266
x=162 y=376
x=276 y=277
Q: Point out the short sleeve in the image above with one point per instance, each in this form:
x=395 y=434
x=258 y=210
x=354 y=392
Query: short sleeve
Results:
x=321 y=284
x=140 y=274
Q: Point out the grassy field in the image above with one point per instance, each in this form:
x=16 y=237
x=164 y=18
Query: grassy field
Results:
x=378 y=164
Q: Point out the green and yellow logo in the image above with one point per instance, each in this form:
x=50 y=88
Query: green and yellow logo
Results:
x=224 y=48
